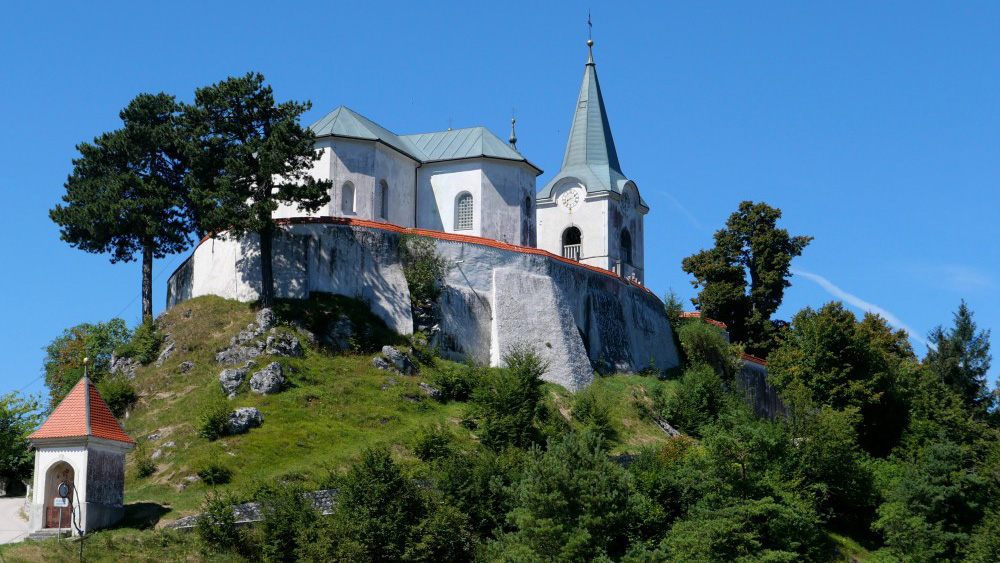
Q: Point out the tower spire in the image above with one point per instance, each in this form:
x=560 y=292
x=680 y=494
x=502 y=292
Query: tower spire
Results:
x=513 y=137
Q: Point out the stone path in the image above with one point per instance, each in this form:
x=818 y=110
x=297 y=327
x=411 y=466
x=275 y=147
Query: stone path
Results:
x=13 y=528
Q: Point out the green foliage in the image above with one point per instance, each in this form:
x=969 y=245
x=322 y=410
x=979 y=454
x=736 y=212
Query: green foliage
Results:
x=214 y=473
x=216 y=526
x=19 y=416
x=960 y=358
x=125 y=195
x=674 y=307
x=480 y=484
x=751 y=244
x=286 y=509
x=382 y=517
x=934 y=505
x=63 y=363
x=594 y=412
x=456 y=382
x=508 y=403
x=433 y=443
x=144 y=464
x=144 y=346
x=571 y=504
x=705 y=345
x=424 y=269
x=984 y=545
x=849 y=364
x=215 y=421
x=248 y=154
x=697 y=401
x=118 y=393
x=322 y=312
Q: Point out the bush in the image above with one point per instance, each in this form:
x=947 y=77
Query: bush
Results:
x=423 y=268
x=508 y=402
x=216 y=527
x=213 y=473
x=144 y=346
x=456 y=383
x=215 y=421
x=285 y=509
x=594 y=412
x=704 y=344
x=433 y=443
x=697 y=401
x=144 y=464
x=118 y=393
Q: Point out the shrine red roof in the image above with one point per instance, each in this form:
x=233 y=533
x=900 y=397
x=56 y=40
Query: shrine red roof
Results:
x=82 y=413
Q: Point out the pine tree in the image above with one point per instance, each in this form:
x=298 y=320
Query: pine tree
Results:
x=126 y=193
x=249 y=154
x=960 y=357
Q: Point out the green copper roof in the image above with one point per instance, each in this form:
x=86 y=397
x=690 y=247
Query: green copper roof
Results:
x=454 y=144
x=590 y=155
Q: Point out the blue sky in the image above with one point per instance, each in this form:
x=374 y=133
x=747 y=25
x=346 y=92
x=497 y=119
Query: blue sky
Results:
x=875 y=127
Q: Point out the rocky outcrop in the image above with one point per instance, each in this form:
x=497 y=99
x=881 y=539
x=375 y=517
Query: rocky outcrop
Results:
x=267 y=381
x=243 y=419
x=394 y=360
x=185 y=367
x=230 y=381
x=124 y=366
x=284 y=345
x=250 y=344
x=166 y=353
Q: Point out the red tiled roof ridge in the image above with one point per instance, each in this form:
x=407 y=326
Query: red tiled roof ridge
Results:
x=82 y=412
x=697 y=315
x=755 y=359
x=441 y=235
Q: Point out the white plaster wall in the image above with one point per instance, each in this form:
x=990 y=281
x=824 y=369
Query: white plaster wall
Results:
x=626 y=213
x=506 y=184
x=320 y=170
x=76 y=456
x=399 y=172
x=590 y=215
x=438 y=185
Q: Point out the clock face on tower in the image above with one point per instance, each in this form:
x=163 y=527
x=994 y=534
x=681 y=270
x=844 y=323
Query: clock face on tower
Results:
x=625 y=200
x=571 y=199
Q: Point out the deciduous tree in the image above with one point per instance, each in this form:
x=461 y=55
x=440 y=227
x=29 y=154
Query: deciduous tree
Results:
x=19 y=416
x=248 y=155
x=751 y=246
x=126 y=193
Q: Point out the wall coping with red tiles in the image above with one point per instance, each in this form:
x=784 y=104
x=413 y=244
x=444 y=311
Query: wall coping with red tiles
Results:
x=440 y=235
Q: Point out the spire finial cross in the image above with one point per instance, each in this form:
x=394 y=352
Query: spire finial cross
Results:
x=590 y=39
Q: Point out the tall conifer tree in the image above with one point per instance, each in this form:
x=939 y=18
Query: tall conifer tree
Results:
x=125 y=195
x=249 y=154
x=960 y=357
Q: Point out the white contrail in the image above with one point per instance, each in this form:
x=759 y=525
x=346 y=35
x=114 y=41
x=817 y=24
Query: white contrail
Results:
x=685 y=211
x=860 y=303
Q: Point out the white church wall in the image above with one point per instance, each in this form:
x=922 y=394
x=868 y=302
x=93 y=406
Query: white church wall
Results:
x=76 y=457
x=506 y=185
x=320 y=170
x=438 y=186
x=621 y=326
x=399 y=174
x=352 y=162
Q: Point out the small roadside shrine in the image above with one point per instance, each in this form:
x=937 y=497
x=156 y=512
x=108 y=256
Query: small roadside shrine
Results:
x=79 y=481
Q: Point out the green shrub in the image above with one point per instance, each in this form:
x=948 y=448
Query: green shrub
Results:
x=215 y=421
x=144 y=464
x=285 y=509
x=423 y=268
x=697 y=401
x=216 y=526
x=213 y=473
x=144 y=346
x=704 y=344
x=456 y=383
x=433 y=443
x=508 y=402
x=594 y=412
x=118 y=393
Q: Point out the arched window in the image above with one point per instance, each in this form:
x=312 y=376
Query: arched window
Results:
x=347 y=198
x=626 y=245
x=463 y=212
x=527 y=206
x=383 y=198
x=571 y=239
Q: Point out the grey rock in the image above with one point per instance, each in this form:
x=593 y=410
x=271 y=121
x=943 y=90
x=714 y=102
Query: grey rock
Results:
x=267 y=381
x=400 y=361
x=305 y=331
x=154 y=437
x=187 y=314
x=284 y=345
x=243 y=419
x=166 y=353
x=230 y=381
x=340 y=334
x=238 y=354
x=157 y=454
x=429 y=391
x=378 y=362
x=170 y=444
x=185 y=367
x=124 y=366
x=265 y=319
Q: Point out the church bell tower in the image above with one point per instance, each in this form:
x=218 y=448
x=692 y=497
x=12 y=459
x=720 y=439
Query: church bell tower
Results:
x=590 y=211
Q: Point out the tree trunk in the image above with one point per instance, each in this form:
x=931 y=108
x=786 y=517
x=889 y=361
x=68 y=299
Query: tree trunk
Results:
x=147 y=283
x=266 y=271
